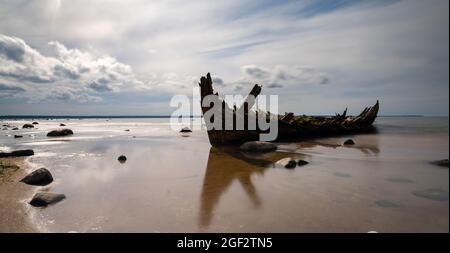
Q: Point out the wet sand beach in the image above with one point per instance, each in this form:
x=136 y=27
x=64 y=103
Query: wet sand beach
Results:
x=174 y=182
x=14 y=214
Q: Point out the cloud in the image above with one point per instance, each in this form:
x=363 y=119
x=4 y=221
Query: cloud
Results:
x=71 y=74
x=8 y=88
x=283 y=76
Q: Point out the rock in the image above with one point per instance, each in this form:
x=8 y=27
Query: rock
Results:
x=302 y=162
x=42 y=199
x=287 y=163
x=127 y=130
x=39 y=177
x=28 y=126
x=60 y=132
x=185 y=130
x=15 y=128
x=258 y=146
x=17 y=153
x=122 y=159
x=18 y=136
x=62 y=124
x=35 y=123
x=291 y=164
x=349 y=142
x=442 y=163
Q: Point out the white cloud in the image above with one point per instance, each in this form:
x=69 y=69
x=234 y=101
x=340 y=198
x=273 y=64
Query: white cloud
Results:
x=70 y=75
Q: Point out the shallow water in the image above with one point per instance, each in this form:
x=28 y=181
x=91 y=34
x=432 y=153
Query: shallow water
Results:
x=172 y=183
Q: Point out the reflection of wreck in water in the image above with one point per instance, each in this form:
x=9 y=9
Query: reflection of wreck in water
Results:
x=290 y=126
x=225 y=165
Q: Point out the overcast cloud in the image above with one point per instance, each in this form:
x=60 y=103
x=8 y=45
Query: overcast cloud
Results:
x=129 y=57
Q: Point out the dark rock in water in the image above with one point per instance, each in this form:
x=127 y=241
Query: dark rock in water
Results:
x=127 y=130
x=433 y=194
x=42 y=199
x=18 y=136
x=442 y=163
x=258 y=146
x=60 y=132
x=386 y=203
x=17 y=153
x=291 y=164
x=185 y=130
x=39 y=177
x=302 y=162
x=35 y=123
x=62 y=124
x=349 y=142
x=28 y=126
x=15 y=128
x=122 y=159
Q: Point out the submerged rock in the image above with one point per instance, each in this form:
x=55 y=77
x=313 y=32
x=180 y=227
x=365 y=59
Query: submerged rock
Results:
x=287 y=163
x=185 y=130
x=28 y=126
x=258 y=146
x=39 y=177
x=349 y=142
x=15 y=128
x=436 y=194
x=17 y=153
x=302 y=162
x=442 y=163
x=122 y=159
x=62 y=124
x=42 y=199
x=60 y=132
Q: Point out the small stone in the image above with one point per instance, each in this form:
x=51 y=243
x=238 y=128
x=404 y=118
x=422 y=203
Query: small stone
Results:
x=42 y=199
x=185 y=130
x=349 y=142
x=302 y=162
x=62 y=124
x=127 y=130
x=15 y=128
x=35 y=123
x=122 y=159
x=39 y=177
x=18 y=136
x=28 y=126
x=291 y=164
x=442 y=163
x=258 y=146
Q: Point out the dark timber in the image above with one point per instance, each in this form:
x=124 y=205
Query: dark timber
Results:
x=290 y=127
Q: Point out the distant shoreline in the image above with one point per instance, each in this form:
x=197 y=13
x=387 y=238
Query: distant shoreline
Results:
x=158 y=116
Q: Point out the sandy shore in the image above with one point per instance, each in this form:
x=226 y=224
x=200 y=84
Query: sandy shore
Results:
x=14 y=218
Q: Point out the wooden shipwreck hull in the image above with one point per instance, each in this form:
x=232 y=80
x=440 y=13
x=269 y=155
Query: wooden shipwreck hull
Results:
x=290 y=127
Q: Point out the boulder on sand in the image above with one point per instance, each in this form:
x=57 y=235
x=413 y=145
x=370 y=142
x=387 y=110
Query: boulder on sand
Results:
x=28 y=126
x=42 y=199
x=349 y=142
x=258 y=146
x=39 y=177
x=60 y=132
x=17 y=153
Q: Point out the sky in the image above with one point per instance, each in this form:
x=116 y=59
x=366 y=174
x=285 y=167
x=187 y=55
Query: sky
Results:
x=112 y=57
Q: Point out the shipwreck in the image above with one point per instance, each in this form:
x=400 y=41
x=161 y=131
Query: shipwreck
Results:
x=290 y=127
